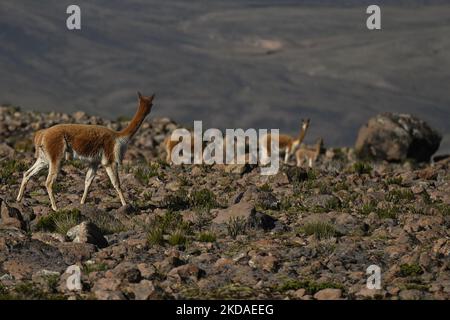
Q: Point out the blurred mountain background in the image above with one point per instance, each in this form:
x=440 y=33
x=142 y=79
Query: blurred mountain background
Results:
x=233 y=63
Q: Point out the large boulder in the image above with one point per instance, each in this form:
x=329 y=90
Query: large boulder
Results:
x=397 y=137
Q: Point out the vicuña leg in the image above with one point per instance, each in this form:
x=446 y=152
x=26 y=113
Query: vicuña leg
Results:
x=113 y=174
x=299 y=161
x=90 y=175
x=286 y=155
x=51 y=178
x=37 y=166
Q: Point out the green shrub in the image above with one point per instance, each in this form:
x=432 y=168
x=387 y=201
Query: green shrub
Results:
x=176 y=201
x=408 y=270
x=107 y=223
x=397 y=195
x=394 y=180
x=443 y=208
x=178 y=238
x=311 y=287
x=207 y=236
x=362 y=168
x=368 y=208
x=388 y=213
x=8 y=168
x=155 y=236
x=94 y=267
x=59 y=221
x=145 y=173
x=312 y=174
x=320 y=230
x=30 y=291
x=265 y=188
x=204 y=199
x=236 y=226
x=171 y=224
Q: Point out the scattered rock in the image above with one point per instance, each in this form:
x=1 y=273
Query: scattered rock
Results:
x=109 y=295
x=126 y=271
x=11 y=217
x=410 y=295
x=268 y=201
x=328 y=294
x=87 y=232
x=267 y=263
x=296 y=174
x=299 y=293
x=324 y=201
x=146 y=290
x=186 y=272
x=237 y=168
x=242 y=209
x=246 y=211
x=106 y=284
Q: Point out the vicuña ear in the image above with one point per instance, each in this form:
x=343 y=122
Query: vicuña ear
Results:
x=139 y=95
x=152 y=97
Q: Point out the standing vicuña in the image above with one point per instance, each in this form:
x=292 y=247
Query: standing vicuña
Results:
x=93 y=143
x=309 y=153
x=287 y=144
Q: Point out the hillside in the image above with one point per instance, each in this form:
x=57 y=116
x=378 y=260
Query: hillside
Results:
x=209 y=232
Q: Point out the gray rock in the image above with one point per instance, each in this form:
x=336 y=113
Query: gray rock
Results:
x=296 y=174
x=10 y=216
x=328 y=294
x=321 y=200
x=396 y=137
x=87 y=232
x=268 y=201
x=246 y=211
x=146 y=290
x=127 y=271
x=410 y=295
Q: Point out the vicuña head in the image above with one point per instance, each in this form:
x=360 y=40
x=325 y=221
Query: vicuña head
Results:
x=92 y=143
x=287 y=144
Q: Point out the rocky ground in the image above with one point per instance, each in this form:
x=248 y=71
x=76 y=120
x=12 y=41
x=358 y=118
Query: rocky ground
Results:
x=221 y=231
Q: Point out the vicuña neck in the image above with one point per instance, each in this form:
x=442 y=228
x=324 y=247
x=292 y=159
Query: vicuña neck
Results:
x=134 y=124
x=301 y=136
x=318 y=146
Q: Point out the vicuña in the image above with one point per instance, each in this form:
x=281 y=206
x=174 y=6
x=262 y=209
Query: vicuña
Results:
x=309 y=153
x=287 y=144
x=92 y=143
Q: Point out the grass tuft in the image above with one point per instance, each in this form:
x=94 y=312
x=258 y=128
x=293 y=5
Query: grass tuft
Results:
x=410 y=270
x=310 y=286
x=320 y=230
x=236 y=226
x=8 y=168
x=145 y=173
x=203 y=199
x=60 y=221
x=362 y=168
x=207 y=236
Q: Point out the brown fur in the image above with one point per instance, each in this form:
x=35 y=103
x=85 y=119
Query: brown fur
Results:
x=169 y=145
x=97 y=144
x=286 y=143
x=309 y=153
